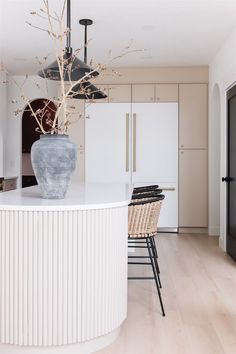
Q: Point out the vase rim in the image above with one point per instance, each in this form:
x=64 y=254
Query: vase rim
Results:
x=43 y=136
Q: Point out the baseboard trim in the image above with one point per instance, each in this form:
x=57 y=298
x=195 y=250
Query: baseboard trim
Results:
x=168 y=229
x=221 y=244
x=193 y=230
x=214 y=231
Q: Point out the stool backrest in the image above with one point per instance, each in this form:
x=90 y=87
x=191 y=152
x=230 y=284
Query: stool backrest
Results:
x=145 y=189
x=143 y=217
x=149 y=194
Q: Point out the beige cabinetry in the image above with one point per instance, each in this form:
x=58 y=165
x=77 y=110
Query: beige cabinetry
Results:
x=193 y=188
x=155 y=93
x=119 y=93
x=115 y=93
x=166 y=93
x=193 y=116
x=139 y=93
x=192 y=142
x=143 y=93
x=193 y=201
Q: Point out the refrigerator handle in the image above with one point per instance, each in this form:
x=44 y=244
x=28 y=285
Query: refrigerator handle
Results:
x=127 y=143
x=134 y=140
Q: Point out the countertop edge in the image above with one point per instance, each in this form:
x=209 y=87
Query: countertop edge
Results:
x=63 y=207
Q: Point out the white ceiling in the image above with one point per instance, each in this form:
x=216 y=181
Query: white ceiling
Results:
x=174 y=32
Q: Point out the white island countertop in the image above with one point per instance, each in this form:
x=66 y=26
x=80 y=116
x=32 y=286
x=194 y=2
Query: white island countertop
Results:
x=80 y=196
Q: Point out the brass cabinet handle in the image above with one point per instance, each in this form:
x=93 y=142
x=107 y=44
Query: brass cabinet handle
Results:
x=134 y=140
x=127 y=143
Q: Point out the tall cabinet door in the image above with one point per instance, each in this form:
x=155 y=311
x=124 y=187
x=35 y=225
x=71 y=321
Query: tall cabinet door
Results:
x=107 y=140
x=193 y=188
x=193 y=120
x=155 y=153
x=193 y=116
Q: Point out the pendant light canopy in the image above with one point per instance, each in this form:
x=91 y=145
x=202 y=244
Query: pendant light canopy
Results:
x=73 y=68
x=85 y=90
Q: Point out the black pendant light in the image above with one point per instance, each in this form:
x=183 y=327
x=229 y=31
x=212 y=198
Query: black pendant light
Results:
x=85 y=90
x=74 y=69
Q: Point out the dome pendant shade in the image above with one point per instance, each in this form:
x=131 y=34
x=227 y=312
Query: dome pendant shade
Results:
x=85 y=91
x=74 y=69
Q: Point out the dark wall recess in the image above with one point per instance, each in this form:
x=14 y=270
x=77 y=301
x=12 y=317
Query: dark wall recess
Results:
x=30 y=133
x=29 y=124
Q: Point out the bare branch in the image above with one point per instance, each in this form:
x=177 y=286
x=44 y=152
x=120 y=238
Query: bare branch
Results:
x=62 y=107
x=41 y=29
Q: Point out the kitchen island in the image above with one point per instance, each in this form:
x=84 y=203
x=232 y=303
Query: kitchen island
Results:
x=63 y=269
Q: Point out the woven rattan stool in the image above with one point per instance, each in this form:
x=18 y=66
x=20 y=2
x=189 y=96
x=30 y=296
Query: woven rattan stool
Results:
x=151 y=193
x=143 y=218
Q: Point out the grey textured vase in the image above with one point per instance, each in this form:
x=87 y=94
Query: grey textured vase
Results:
x=53 y=159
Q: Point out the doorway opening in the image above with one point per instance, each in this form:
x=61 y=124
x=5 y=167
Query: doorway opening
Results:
x=30 y=134
x=230 y=179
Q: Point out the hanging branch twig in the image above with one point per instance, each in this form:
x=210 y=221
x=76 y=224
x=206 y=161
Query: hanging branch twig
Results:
x=58 y=34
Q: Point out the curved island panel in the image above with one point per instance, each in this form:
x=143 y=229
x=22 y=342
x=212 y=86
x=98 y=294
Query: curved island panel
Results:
x=63 y=269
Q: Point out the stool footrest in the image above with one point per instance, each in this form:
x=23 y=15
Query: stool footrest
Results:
x=142 y=278
x=141 y=263
x=143 y=257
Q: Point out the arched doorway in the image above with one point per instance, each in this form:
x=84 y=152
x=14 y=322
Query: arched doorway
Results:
x=30 y=134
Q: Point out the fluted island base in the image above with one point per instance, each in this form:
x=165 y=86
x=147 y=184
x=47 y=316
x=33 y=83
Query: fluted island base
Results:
x=63 y=275
x=82 y=348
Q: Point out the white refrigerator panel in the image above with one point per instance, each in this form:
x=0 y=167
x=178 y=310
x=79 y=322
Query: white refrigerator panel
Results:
x=140 y=147
x=155 y=142
x=107 y=141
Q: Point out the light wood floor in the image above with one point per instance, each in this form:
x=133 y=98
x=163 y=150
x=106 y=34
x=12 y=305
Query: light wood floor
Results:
x=199 y=294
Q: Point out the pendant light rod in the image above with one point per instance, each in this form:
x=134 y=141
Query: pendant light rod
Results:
x=85 y=44
x=85 y=22
x=86 y=90
x=68 y=38
x=74 y=68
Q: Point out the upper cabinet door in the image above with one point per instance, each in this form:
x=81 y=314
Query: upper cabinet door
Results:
x=167 y=93
x=107 y=139
x=143 y=93
x=193 y=116
x=119 y=93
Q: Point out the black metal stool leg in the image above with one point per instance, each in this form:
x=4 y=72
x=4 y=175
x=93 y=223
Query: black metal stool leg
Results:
x=153 y=246
x=155 y=275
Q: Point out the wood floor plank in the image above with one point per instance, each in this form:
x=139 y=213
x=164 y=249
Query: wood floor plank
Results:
x=199 y=290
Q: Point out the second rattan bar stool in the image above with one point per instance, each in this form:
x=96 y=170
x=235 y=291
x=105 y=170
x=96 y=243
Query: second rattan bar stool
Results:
x=143 y=218
x=144 y=195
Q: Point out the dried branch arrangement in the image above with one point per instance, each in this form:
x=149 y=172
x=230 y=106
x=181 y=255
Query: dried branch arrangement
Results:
x=59 y=121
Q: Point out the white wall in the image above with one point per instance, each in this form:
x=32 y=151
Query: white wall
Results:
x=214 y=162
x=3 y=118
x=13 y=126
x=222 y=72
